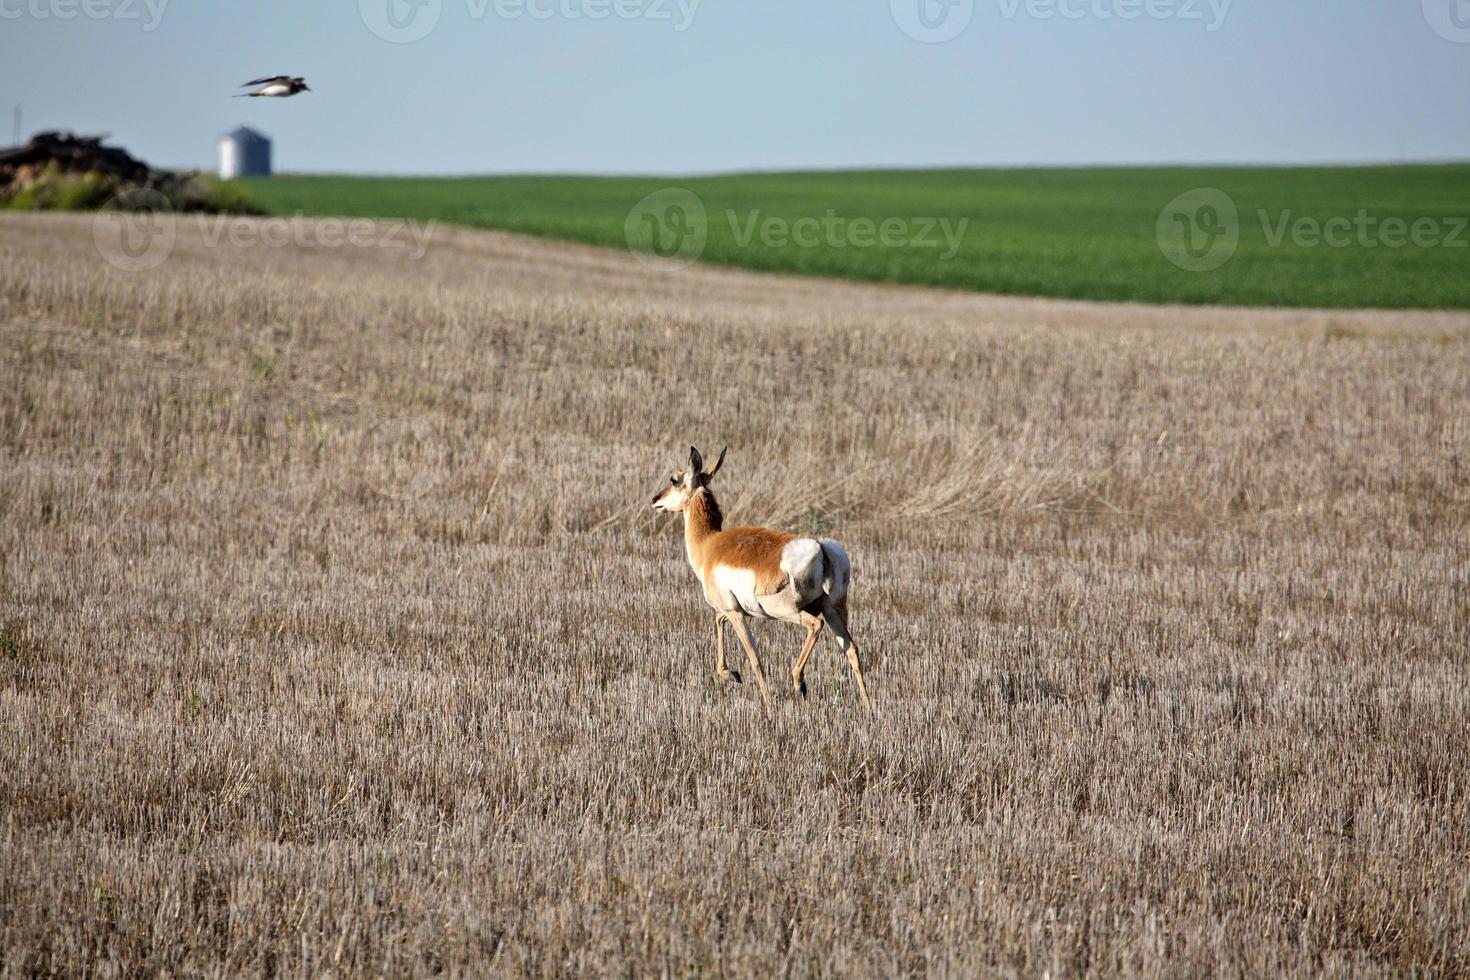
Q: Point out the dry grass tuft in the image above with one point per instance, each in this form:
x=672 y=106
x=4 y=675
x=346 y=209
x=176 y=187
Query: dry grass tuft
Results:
x=336 y=635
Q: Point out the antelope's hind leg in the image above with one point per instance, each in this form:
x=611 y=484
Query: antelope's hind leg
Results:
x=813 y=626
x=721 y=667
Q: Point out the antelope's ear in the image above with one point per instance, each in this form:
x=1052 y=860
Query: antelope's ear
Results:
x=714 y=467
x=696 y=463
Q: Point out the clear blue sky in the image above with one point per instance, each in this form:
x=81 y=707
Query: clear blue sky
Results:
x=495 y=86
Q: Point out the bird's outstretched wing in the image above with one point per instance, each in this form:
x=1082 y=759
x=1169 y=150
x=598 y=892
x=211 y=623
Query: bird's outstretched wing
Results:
x=268 y=79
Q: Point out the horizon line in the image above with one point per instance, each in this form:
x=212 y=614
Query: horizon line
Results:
x=879 y=168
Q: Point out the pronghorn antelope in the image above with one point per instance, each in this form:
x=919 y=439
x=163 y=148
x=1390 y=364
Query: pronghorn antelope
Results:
x=759 y=573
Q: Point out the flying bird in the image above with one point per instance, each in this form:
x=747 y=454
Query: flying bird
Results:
x=276 y=86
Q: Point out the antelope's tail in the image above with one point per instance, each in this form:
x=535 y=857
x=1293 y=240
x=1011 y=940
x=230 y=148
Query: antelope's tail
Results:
x=837 y=570
x=818 y=568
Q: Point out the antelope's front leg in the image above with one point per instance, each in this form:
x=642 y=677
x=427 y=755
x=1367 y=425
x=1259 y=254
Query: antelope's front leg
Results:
x=737 y=623
x=722 y=668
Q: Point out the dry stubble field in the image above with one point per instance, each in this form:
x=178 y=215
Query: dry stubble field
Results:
x=338 y=636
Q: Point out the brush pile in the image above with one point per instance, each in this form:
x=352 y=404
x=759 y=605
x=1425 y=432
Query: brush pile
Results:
x=62 y=171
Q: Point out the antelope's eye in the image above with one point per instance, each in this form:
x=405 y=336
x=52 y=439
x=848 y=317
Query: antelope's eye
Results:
x=673 y=481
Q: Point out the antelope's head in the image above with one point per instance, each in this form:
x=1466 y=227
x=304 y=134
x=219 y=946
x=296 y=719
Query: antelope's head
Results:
x=672 y=498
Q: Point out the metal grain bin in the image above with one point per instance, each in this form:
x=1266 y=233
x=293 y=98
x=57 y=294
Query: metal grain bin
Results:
x=244 y=153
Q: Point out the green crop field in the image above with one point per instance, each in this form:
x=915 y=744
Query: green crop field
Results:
x=1391 y=237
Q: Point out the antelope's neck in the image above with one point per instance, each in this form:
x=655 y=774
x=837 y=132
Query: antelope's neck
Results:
x=701 y=519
